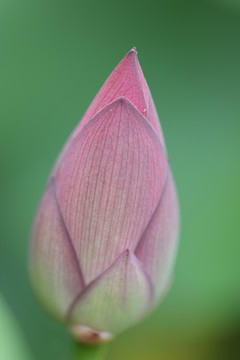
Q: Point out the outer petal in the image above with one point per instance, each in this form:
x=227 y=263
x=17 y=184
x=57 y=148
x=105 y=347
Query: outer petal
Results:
x=109 y=184
x=156 y=250
x=114 y=301
x=55 y=271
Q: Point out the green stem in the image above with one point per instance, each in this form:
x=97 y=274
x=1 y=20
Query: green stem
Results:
x=90 y=352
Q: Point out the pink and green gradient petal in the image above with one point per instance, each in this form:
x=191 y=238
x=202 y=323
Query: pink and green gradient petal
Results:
x=55 y=270
x=157 y=247
x=115 y=300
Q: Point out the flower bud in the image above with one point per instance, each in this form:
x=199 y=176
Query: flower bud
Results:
x=105 y=234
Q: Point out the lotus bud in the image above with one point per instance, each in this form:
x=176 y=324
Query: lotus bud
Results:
x=105 y=234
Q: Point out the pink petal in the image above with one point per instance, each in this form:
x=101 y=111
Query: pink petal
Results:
x=127 y=80
x=124 y=81
x=156 y=250
x=151 y=112
x=154 y=120
x=55 y=271
x=109 y=184
x=115 y=300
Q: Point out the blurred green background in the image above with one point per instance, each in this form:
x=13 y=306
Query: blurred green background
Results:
x=54 y=56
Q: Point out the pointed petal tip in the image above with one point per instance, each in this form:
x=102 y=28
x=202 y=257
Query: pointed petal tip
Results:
x=132 y=58
x=129 y=256
x=120 y=101
x=133 y=50
x=133 y=54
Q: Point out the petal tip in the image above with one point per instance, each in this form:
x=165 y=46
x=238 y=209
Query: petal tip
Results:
x=133 y=50
x=121 y=101
x=131 y=59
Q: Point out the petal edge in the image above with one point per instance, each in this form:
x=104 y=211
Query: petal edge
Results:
x=54 y=267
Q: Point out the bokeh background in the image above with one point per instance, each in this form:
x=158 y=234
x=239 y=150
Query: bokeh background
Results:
x=54 y=56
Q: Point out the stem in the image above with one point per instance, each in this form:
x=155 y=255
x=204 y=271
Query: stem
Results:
x=90 y=352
